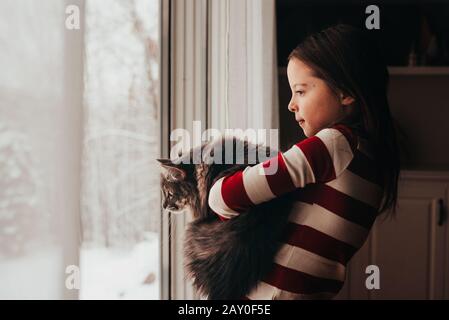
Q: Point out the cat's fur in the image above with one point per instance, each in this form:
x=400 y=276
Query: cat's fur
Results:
x=224 y=259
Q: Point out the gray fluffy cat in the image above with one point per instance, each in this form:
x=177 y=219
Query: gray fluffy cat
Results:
x=225 y=259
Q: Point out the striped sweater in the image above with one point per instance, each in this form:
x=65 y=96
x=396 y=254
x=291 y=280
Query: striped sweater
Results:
x=336 y=189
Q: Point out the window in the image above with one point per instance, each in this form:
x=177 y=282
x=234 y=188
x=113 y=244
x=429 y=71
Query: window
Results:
x=79 y=135
x=120 y=193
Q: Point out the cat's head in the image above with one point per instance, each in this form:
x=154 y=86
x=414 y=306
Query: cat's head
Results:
x=185 y=185
x=179 y=186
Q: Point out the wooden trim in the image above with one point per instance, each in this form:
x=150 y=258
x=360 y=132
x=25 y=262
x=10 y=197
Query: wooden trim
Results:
x=218 y=56
x=69 y=171
x=243 y=71
x=188 y=103
x=432 y=250
x=419 y=71
x=424 y=175
x=446 y=247
x=164 y=111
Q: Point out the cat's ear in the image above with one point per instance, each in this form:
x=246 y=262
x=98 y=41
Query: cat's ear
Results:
x=174 y=171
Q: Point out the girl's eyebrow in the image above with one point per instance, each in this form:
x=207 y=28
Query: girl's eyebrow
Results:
x=300 y=84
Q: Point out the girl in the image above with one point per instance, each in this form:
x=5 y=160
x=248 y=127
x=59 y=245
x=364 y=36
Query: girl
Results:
x=341 y=177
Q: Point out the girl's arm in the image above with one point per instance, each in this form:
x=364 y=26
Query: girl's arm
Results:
x=320 y=158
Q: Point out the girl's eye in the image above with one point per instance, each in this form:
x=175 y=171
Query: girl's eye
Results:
x=301 y=93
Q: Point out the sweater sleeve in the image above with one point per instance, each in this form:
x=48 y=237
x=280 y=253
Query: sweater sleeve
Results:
x=317 y=159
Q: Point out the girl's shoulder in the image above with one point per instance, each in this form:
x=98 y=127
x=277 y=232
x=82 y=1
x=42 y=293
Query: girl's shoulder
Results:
x=364 y=143
x=364 y=161
x=341 y=131
x=356 y=137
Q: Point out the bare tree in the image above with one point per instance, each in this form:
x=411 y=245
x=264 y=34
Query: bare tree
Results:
x=120 y=179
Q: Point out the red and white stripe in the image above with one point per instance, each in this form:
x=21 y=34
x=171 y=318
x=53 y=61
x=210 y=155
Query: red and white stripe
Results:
x=333 y=180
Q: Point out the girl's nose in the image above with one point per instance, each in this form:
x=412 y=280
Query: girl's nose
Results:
x=292 y=106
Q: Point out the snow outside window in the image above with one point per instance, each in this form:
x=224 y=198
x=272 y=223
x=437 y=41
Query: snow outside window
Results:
x=120 y=180
x=79 y=132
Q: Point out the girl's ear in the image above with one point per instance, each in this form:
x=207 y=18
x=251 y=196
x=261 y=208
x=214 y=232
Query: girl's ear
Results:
x=346 y=100
x=173 y=170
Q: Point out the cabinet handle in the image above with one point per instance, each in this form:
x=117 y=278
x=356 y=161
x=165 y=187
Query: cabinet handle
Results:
x=441 y=212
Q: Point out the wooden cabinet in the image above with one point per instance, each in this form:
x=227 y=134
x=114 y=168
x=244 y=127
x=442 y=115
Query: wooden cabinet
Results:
x=411 y=250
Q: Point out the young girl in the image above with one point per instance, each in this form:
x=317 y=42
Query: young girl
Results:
x=341 y=177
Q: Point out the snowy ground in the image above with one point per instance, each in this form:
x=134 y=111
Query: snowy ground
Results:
x=105 y=273
x=119 y=274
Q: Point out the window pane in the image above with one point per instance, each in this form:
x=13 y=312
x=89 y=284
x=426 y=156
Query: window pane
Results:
x=120 y=193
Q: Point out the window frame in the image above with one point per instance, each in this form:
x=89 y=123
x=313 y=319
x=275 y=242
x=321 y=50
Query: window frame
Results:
x=70 y=170
x=164 y=112
x=184 y=96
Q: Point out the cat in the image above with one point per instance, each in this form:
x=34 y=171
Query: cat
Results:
x=225 y=259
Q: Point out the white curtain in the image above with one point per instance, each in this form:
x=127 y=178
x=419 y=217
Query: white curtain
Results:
x=40 y=146
x=244 y=91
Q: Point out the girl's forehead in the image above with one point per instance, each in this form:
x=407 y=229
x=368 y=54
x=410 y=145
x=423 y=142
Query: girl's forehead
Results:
x=297 y=68
x=298 y=72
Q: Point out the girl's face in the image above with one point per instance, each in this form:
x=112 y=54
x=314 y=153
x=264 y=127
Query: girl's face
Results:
x=313 y=102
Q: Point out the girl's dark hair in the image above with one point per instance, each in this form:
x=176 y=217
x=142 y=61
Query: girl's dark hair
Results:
x=349 y=61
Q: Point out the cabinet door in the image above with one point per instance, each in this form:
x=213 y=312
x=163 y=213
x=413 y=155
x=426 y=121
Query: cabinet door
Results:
x=410 y=250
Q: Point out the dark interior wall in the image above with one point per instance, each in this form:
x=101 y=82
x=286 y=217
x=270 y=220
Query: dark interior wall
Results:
x=404 y=24
x=420 y=105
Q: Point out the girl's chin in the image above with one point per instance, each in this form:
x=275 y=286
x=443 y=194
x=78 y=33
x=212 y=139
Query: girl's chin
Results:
x=306 y=133
x=309 y=132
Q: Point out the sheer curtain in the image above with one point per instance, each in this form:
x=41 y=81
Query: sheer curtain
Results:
x=40 y=148
x=244 y=91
